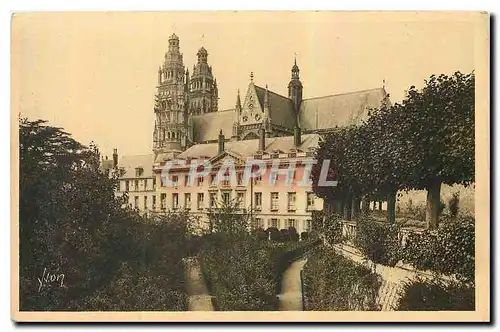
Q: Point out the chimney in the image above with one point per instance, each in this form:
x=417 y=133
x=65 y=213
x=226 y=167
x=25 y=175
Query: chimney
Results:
x=262 y=139
x=296 y=136
x=115 y=157
x=221 y=142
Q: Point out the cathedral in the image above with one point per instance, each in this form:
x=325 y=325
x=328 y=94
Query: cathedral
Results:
x=263 y=124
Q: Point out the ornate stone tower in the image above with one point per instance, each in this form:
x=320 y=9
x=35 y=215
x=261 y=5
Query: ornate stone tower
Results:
x=171 y=123
x=295 y=88
x=203 y=91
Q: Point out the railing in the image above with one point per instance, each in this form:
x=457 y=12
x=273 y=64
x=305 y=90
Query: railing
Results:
x=349 y=230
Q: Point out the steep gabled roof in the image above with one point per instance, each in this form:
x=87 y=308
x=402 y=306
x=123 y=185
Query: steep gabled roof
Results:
x=280 y=107
x=339 y=110
x=206 y=126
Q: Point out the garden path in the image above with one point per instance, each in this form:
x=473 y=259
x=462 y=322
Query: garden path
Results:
x=291 y=288
x=198 y=297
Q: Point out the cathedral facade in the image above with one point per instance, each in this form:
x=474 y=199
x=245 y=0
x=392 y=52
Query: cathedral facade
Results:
x=262 y=125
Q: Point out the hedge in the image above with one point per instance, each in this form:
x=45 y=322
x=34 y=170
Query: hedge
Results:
x=245 y=275
x=333 y=282
x=449 y=251
x=436 y=295
x=379 y=241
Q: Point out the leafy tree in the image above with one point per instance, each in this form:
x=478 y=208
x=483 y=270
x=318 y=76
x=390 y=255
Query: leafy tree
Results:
x=437 y=130
x=388 y=168
x=227 y=218
x=71 y=223
x=347 y=150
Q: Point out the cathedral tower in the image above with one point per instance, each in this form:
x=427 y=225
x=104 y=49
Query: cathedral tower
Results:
x=295 y=88
x=203 y=91
x=171 y=125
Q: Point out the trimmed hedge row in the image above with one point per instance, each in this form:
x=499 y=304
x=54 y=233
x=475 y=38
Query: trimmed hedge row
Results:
x=245 y=274
x=333 y=282
x=436 y=295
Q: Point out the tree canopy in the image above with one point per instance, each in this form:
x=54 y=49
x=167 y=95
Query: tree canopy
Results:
x=420 y=143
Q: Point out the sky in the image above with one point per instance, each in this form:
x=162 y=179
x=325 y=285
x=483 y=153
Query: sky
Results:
x=94 y=74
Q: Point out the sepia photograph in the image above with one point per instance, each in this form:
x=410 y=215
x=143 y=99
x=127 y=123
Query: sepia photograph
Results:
x=250 y=166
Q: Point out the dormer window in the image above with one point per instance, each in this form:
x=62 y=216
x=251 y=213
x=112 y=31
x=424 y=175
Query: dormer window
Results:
x=139 y=171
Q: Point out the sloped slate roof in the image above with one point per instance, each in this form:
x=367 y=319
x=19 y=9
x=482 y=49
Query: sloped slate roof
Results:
x=339 y=110
x=248 y=148
x=207 y=126
x=280 y=108
x=129 y=164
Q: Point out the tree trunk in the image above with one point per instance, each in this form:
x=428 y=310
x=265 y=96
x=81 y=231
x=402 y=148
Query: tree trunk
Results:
x=433 y=202
x=348 y=208
x=391 y=207
x=356 y=210
x=365 y=205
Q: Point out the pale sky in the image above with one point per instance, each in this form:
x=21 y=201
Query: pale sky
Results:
x=94 y=74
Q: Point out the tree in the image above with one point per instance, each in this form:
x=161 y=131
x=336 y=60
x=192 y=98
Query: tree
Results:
x=388 y=167
x=71 y=224
x=347 y=150
x=437 y=127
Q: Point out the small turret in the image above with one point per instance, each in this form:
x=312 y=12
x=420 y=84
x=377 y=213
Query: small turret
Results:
x=295 y=88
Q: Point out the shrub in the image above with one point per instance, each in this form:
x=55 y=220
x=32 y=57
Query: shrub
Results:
x=239 y=273
x=285 y=235
x=260 y=234
x=335 y=283
x=436 y=295
x=379 y=242
x=246 y=274
x=332 y=229
x=304 y=236
x=449 y=251
x=275 y=234
x=292 y=233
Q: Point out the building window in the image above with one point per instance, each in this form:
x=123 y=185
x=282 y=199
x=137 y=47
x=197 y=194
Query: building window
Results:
x=240 y=200
x=274 y=201
x=139 y=171
x=136 y=184
x=186 y=180
x=200 y=181
x=240 y=179
x=292 y=198
x=153 y=203
x=258 y=179
x=145 y=202
x=136 y=202
x=310 y=201
x=213 y=197
x=292 y=223
x=187 y=201
x=200 y=201
x=226 y=198
x=257 y=223
x=154 y=183
x=212 y=179
x=175 y=201
x=175 y=180
x=163 y=201
x=258 y=201
x=275 y=223
x=127 y=185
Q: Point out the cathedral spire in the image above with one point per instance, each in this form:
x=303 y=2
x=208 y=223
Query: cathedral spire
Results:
x=295 y=87
x=238 y=101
